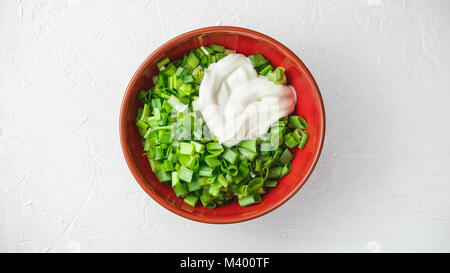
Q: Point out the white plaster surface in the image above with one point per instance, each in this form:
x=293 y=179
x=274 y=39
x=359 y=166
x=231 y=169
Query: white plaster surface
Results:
x=383 y=180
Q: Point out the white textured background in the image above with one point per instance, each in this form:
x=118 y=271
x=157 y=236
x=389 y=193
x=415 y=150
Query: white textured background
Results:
x=382 y=182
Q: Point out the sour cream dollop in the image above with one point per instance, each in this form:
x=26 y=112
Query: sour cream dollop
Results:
x=237 y=104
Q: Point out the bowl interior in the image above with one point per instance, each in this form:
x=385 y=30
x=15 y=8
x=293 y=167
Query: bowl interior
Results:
x=309 y=105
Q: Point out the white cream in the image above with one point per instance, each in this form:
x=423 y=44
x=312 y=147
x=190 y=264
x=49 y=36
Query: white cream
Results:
x=237 y=104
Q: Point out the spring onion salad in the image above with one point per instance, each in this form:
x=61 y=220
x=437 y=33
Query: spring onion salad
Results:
x=206 y=130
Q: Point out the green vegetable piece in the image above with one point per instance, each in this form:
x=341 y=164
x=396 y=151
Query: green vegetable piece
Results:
x=198 y=74
x=170 y=70
x=187 y=78
x=270 y=183
x=223 y=181
x=204 y=61
x=249 y=200
x=286 y=157
x=290 y=141
x=179 y=71
x=255 y=184
x=142 y=124
x=298 y=122
x=186 y=89
x=214 y=189
x=194 y=185
x=206 y=198
x=297 y=134
x=205 y=171
x=243 y=169
x=191 y=200
x=213 y=146
x=192 y=60
x=258 y=165
x=186 y=148
x=303 y=140
x=145 y=112
x=266 y=146
x=277 y=76
x=249 y=145
x=175 y=179
x=217 y=48
x=199 y=148
x=266 y=70
x=180 y=189
x=162 y=63
x=167 y=166
x=285 y=170
x=229 y=51
x=165 y=137
x=230 y=156
x=189 y=161
x=247 y=154
x=185 y=174
x=162 y=176
x=212 y=161
x=275 y=173
x=204 y=50
x=257 y=60
x=147 y=144
x=177 y=104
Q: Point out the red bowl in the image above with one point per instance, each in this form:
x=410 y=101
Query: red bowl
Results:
x=309 y=106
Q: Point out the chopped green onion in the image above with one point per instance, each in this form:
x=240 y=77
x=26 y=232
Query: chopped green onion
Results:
x=175 y=179
x=249 y=145
x=249 y=200
x=194 y=185
x=187 y=79
x=286 y=157
x=180 y=189
x=277 y=76
x=192 y=60
x=214 y=189
x=217 y=48
x=212 y=161
x=142 y=124
x=170 y=70
x=230 y=156
x=255 y=184
x=285 y=170
x=145 y=112
x=165 y=137
x=162 y=63
x=205 y=171
x=247 y=154
x=186 y=148
x=204 y=50
x=191 y=200
x=223 y=181
x=275 y=172
x=185 y=174
x=298 y=122
x=303 y=140
x=257 y=60
x=290 y=141
x=270 y=183
x=162 y=176
x=199 y=148
x=176 y=104
x=213 y=146
x=267 y=69
x=229 y=51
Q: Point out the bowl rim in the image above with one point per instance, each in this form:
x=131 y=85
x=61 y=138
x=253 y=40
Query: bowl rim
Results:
x=160 y=200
